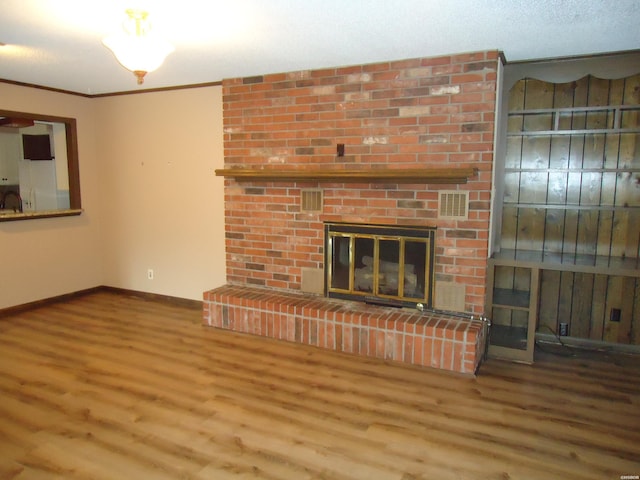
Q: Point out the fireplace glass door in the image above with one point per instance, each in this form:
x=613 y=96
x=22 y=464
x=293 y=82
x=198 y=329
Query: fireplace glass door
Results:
x=378 y=264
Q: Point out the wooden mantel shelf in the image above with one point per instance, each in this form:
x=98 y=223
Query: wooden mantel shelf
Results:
x=454 y=175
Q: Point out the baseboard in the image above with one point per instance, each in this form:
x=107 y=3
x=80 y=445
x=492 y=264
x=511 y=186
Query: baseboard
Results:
x=156 y=297
x=182 y=302
x=588 y=344
x=46 y=301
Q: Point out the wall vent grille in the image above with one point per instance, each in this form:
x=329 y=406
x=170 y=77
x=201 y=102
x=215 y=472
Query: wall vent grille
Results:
x=311 y=200
x=453 y=205
x=450 y=296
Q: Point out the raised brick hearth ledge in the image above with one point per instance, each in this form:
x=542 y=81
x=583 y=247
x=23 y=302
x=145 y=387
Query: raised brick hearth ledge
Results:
x=419 y=338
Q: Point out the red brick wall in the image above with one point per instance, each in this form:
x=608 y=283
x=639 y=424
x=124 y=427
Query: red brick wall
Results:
x=419 y=113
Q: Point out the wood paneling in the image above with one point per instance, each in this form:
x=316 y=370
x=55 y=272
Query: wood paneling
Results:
x=110 y=386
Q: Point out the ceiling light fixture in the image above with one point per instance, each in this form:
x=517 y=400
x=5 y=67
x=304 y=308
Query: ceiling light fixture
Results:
x=136 y=47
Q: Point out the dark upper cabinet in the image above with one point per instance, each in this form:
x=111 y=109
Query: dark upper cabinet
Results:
x=36 y=147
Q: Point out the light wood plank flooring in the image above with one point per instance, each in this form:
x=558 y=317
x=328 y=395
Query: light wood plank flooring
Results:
x=108 y=386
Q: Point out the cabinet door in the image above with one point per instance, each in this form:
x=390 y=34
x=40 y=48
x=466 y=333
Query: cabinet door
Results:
x=513 y=302
x=9 y=156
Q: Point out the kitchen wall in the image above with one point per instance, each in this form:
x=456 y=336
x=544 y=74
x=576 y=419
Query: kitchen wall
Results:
x=149 y=194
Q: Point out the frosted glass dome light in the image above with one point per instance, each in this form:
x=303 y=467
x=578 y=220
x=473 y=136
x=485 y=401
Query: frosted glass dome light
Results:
x=136 y=47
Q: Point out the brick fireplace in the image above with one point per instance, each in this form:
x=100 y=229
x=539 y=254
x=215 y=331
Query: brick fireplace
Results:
x=349 y=133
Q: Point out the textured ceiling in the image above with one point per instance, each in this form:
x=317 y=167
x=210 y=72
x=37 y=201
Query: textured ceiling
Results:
x=57 y=43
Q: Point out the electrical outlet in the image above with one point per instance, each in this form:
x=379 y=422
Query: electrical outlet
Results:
x=564 y=329
x=150 y=274
x=614 y=316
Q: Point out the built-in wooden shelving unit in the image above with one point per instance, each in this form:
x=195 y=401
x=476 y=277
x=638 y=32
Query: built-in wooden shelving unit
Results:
x=568 y=262
x=454 y=175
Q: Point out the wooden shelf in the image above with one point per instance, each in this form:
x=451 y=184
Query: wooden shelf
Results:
x=573 y=207
x=450 y=176
x=612 y=120
x=506 y=336
x=572 y=170
x=590 y=131
x=569 y=262
x=506 y=298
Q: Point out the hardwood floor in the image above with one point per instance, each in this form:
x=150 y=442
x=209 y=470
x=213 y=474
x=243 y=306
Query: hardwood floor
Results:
x=108 y=386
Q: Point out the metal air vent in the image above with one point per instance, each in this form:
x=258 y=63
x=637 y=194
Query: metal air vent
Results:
x=450 y=296
x=453 y=205
x=311 y=200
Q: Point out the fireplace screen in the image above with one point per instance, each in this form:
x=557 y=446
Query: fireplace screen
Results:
x=380 y=264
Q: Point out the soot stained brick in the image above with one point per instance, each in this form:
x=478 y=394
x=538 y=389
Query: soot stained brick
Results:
x=462 y=234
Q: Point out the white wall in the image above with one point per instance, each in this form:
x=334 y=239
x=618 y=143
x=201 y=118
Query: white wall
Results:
x=149 y=194
x=162 y=205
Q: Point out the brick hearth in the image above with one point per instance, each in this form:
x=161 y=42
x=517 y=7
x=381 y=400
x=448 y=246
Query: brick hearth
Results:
x=425 y=339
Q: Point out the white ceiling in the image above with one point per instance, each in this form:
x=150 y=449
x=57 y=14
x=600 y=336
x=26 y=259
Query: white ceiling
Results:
x=57 y=43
